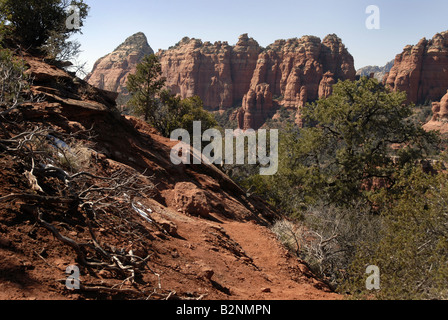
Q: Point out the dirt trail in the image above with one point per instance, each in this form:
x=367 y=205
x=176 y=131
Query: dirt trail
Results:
x=283 y=275
x=247 y=261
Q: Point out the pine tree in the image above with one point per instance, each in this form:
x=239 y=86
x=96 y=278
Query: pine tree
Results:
x=145 y=87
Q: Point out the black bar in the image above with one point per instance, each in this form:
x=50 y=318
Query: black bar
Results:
x=220 y=309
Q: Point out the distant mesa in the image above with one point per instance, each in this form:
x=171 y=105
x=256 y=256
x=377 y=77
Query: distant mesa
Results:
x=378 y=72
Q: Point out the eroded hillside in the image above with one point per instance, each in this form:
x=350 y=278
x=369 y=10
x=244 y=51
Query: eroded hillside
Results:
x=81 y=185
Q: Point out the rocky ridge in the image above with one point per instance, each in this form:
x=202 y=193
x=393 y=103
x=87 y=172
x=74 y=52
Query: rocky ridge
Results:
x=111 y=71
x=219 y=73
x=287 y=73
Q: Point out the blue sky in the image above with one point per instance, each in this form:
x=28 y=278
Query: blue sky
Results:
x=403 y=22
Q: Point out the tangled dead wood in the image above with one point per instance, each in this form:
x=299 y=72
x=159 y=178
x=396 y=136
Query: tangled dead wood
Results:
x=68 y=191
x=90 y=199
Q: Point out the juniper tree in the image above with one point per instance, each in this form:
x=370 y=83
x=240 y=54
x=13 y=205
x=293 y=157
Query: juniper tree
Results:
x=32 y=23
x=355 y=139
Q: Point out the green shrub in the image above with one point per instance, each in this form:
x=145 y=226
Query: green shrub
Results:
x=145 y=87
x=346 y=147
x=413 y=252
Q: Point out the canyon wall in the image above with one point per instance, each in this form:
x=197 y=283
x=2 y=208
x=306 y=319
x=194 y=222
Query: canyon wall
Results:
x=287 y=73
x=219 y=73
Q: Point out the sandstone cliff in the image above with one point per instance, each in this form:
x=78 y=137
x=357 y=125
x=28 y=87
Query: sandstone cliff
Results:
x=111 y=71
x=439 y=120
x=296 y=71
x=219 y=73
x=288 y=73
x=422 y=70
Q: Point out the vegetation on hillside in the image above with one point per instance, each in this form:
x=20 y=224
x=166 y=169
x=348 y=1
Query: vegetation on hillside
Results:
x=359 y=171
x=33 y=23
x=163 y=110
x=44 y=27
x=412 y=249
x=357 y=138
x=362 y=183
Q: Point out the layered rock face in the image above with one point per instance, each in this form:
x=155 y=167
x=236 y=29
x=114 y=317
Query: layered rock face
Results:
x=219 y=73
x=422 y=70
x=111 y=72
x=257 y=105
x=439 y=119
x=294 y=72
x=287 y=73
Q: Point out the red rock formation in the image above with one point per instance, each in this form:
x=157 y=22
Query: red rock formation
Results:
x=111 y=72
x=244 y=60
x=189 y=199
x=291 y=72
x=298 y=71
x=440 y=109
x=219 y=73
x=439 y=120
x=422 y=70
x=257 y=107
x=223 y=75
x=326 y=85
